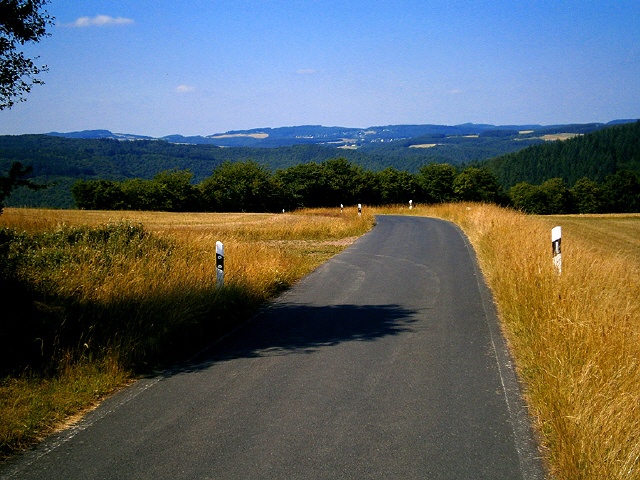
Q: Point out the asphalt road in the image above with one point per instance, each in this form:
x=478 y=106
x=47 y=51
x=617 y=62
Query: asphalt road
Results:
x=387 y=362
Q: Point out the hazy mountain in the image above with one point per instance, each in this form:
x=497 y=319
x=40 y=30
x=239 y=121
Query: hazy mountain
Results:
x=100 y=134
x=343 y=136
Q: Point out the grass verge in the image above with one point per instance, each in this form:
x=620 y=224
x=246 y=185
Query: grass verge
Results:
x=575 y=336
x=100 y=297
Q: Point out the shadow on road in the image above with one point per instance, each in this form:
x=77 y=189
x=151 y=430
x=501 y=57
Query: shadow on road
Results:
x=285 y=328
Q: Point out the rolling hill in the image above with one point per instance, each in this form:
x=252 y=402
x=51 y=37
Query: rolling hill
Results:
x=60 y=159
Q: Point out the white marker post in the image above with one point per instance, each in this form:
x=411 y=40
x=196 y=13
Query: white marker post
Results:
x=359 y=209
x=556 y=240
x=220 y=264
x=410 y=204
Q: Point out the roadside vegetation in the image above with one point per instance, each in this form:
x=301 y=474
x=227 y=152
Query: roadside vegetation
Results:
x=130 y=298
x=575 y=336
x=93 y=299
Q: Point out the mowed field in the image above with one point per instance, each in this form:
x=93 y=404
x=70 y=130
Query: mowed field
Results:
x=615 y=233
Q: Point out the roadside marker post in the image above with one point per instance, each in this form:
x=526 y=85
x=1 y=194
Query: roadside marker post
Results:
x=410 y=204
x=359 y=209
x=556 y=247
x=220 y=264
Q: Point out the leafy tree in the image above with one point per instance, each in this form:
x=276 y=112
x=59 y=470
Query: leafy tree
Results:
x=551 y=197
x=477 y=184
x=588 y=196
x=177 y=194
x=344 y=181
x=528 y=198
x=395 y=186
x=557 y=195
x=622 y=191
x=370 y=193
x=21 y=21
x=328 y=184
x=141 y=194
x=99 y=195
x=14 y=179
x=436 y=181
x=302 y=185
x=238 y=187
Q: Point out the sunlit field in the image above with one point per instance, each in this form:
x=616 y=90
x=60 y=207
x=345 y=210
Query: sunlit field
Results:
x=574 y=335
x=101 y=297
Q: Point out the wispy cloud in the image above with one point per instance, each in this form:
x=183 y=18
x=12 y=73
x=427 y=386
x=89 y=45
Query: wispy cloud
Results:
x=185 y=88
x=456 y=91
x=100 y=21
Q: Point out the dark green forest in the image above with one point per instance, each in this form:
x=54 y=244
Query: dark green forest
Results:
x=595 y=156
x=591 y=173
x=60 y=159
x=250 y=187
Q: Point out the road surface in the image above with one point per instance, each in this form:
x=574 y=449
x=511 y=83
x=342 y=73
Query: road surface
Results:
x=387 y=362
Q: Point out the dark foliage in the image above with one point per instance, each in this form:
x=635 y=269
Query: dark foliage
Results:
x=17 y=177
x=154 y=174
x=247 y=186
x=619 y=193
x=21 y=21
x=594 y=156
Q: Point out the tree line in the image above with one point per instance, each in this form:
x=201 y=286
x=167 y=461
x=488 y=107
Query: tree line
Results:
x=250 y=187
x=618 y=193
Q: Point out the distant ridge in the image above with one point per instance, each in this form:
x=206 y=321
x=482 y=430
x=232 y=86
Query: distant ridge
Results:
x=60 y=159
x=93 y=134
x=269 y=137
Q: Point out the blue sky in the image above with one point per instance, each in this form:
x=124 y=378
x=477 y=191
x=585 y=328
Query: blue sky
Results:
x=201 y=67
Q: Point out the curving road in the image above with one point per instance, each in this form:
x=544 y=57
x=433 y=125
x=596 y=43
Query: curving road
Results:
x=387 y=362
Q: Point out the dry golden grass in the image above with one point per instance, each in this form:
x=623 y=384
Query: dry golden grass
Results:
x=165 y=289
x=575 y=336
x=258 y=247
x=613 y=233
x=33 y=406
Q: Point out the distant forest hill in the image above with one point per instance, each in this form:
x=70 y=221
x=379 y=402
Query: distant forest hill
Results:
x=61 y=159
x=594 y=156
x=350 y=137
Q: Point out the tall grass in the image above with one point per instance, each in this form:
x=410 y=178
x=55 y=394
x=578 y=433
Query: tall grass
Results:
x=102 y=296
x=575 y=336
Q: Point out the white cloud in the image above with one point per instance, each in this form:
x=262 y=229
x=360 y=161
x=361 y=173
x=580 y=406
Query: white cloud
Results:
x=185 y=88
x=101 y=21
x=456 y=91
